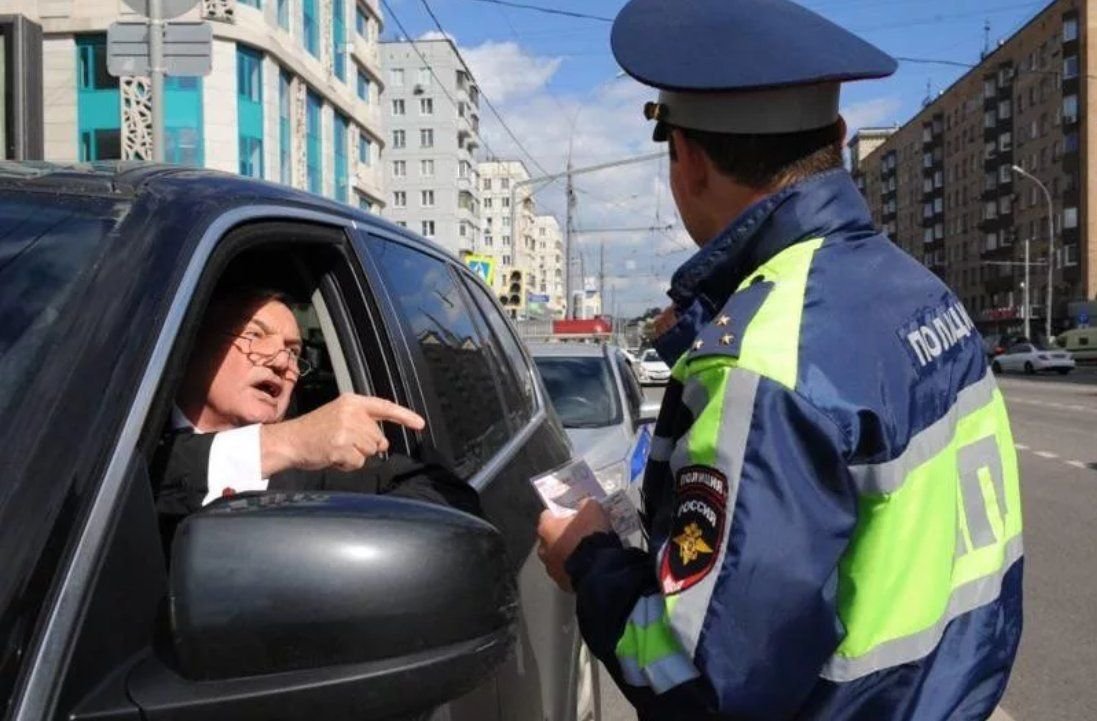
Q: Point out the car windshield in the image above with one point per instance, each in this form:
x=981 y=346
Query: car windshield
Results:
x=48 y=243
x=582 y=390
x=650 y=356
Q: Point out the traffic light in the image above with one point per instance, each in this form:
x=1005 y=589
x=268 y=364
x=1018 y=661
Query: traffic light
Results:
x=516 y=289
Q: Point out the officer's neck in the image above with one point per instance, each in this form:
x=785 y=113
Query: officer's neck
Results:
x=725 y=200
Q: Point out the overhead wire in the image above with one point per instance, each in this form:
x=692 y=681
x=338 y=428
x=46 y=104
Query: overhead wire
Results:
x=547 y=10
x=483 y=95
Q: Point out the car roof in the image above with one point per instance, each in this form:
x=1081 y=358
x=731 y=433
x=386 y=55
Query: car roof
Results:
x=130 y=180
x=570 y=350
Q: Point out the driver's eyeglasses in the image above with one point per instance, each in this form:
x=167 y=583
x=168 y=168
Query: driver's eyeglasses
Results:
x=262 y=348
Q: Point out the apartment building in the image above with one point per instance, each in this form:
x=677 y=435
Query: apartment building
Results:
x=521 y=241
x=292 y=97
x=944 y=187
x=432 y=118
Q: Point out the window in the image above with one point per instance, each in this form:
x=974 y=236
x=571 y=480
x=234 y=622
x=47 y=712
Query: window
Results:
x=363 y=85
x=487 y=183
x=365 y=150
x=365 y=204
x=426 y=198
x=505 y=202
x=1070 y=109
x=399 y=168
x=991 y=241
x=459 y=368
x=506 y=243
x=1070 y=29
x=98 y=101
x=313 y=144
x=183 y=121
x=990 y=87
x=283 y=14
x=340 y=129
x=426 y=168
x=1005 y=205
x=285 y=138
x=426 y=106
x=1004 y=173
x=990 y=210
x=504 y=183
x=310 y=27
x=402 y=223
x=397 y=107
x=400 y=199
x=253 y=3
x=399 y=139
x=339 y=39
x=1070 y=217
x=361 y=22
x=249 y=106
x=1004 y=110
x=426 y=138
x=517 y=380
x=396 y=78
x=1070 y=67
x=1005 y=142
x=1070 y=257
x=427 y=227
x=424 y=77
x=1070 y=143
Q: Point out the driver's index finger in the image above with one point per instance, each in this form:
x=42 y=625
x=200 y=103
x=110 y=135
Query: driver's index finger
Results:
x=386 y=410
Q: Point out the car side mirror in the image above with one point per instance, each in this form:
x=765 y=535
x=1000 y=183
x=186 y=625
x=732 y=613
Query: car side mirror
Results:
x=649 y=412
x=332 y=606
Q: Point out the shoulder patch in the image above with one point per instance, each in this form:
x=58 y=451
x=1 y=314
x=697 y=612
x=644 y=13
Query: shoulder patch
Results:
x=723 y=335
x=697 y=530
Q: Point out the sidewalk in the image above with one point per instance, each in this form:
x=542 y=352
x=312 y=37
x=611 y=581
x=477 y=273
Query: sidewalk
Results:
x=1000 y=715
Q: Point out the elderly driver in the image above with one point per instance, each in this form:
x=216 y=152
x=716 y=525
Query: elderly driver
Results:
x=230 y=433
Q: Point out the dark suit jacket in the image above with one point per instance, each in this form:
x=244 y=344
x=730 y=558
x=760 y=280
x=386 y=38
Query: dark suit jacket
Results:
x=180 y=464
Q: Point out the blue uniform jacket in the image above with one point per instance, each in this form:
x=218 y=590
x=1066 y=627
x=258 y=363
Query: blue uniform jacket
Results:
x=865 y=385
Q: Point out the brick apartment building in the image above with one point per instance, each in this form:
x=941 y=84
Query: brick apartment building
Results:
x=944 y=188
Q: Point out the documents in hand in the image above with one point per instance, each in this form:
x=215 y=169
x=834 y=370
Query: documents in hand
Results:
x=564 y=490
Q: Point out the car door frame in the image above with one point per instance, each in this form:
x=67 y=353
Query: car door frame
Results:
x=50 y=653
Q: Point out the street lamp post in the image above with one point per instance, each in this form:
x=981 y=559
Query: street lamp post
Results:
x=1050 y=252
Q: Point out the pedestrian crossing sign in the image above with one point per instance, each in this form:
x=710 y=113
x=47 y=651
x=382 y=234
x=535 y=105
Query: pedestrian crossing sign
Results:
x=483 y=266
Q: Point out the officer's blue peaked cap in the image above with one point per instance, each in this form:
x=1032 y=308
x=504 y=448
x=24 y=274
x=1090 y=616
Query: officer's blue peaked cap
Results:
x=741 y=66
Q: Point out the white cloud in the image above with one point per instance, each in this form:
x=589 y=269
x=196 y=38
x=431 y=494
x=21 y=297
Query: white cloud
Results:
x=435 y=35
x=870 y=113
x=506 y=72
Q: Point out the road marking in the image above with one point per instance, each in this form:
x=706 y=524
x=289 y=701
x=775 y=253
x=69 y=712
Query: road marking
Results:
x=1078 y=464
x=1001 y=715
x=1020 y=446
x=1047 y=454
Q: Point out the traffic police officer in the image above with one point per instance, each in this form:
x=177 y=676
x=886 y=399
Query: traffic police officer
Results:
x=832 y=500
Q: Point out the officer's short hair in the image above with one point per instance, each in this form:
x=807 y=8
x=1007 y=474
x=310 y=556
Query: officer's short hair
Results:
x=769 y=161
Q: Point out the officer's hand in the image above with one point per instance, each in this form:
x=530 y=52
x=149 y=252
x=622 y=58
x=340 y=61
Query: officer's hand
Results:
x=341 y=434
x=664 y=321
x=561 y=534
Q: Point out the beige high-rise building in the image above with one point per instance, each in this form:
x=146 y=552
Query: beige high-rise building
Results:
x=293 y=94
x=548 y=265
x=943 y=186
x=509 y=229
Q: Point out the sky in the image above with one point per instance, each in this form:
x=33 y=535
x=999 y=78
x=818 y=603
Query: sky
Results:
x=557 y=88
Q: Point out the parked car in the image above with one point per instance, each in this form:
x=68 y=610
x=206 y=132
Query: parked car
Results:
x=996 y=344
x=1080 y=343
x=601 y=406
x=279 y=604
x=1033 y=358
x=652 y=369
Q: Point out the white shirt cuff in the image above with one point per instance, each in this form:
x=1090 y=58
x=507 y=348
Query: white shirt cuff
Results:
x=235 y=463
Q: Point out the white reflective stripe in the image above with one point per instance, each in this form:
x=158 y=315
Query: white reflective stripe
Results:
x=695 y=398
x=887 y=477
x=661 y=448
x=648 y=610
x=910 y=648
x=630 y=671
x=687 y=615
x=661 y=675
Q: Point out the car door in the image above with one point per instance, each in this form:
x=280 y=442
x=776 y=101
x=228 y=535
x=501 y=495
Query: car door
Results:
x=486 y=416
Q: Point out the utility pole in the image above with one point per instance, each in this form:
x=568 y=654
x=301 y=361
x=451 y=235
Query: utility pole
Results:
x=1050 y=253
x=569 y=225
x=156 y=76
x=602 y=276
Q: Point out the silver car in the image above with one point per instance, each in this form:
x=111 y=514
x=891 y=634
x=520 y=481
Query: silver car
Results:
x=601 y=405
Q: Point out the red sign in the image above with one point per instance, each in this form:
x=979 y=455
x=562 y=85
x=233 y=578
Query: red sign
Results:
x=588 y=326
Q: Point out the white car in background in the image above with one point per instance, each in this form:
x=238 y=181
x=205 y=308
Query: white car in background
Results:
x=652 y=369
x=1033 y=358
